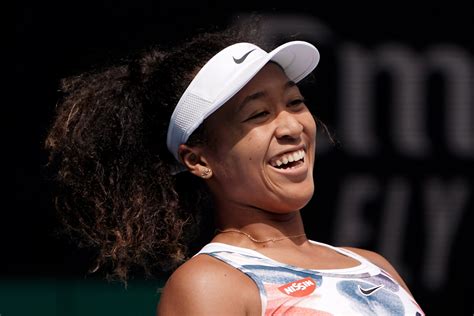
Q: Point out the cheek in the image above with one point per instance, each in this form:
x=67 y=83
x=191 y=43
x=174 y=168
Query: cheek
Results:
x=252 y=147
x=255 y=145
x=243 y=157
x=309 y=127
x=309 y=123
x=249 y=153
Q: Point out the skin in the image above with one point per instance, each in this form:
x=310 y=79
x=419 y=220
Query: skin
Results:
x=266 y=118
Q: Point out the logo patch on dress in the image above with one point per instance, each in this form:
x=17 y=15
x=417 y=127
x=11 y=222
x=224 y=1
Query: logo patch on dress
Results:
x=299 y=288
x=369 y=291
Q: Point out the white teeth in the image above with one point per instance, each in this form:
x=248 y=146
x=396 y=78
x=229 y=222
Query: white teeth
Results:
x=291 y=157
x=296 y=156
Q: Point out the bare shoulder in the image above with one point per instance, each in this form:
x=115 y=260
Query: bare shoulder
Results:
x=374 y=257
x=206 y=286
x=381 y=262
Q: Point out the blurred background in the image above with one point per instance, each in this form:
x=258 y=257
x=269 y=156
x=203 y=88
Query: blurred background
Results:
x=394 y=86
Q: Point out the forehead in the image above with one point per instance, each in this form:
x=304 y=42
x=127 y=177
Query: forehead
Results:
x=271 y=74
x=271 y=78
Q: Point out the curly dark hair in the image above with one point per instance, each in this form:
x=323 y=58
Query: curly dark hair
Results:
x=108 y=156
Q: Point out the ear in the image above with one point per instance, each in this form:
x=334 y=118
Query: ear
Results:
x=193 y=160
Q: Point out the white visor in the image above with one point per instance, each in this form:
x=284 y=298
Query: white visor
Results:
x=224 y=75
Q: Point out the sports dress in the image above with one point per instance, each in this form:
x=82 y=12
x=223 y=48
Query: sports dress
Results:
x=364 y=289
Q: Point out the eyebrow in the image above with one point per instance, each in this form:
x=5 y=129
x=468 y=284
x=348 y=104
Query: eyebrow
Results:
x=260 y=94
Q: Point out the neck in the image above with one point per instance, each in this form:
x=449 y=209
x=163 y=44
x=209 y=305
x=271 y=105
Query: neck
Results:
x=258 y=223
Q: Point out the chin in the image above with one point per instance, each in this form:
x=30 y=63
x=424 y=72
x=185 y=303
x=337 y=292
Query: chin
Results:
x=296 y=200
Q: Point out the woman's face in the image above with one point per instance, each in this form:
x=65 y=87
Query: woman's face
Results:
x=262 y=145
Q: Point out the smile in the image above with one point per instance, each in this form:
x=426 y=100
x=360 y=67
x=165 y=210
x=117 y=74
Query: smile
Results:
x=289 y=160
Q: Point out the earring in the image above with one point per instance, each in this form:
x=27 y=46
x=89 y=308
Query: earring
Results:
x=207 y=173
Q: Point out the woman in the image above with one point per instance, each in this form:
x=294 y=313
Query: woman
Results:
x=238 y=130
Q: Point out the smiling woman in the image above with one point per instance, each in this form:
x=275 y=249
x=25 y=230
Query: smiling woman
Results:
x=273 y=128
x=147 y=152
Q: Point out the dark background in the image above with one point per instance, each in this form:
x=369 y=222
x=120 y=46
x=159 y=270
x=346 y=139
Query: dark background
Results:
x=54 y=40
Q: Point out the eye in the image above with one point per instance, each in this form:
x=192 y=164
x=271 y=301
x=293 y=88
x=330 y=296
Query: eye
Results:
x=258 y=115
x=297 y=102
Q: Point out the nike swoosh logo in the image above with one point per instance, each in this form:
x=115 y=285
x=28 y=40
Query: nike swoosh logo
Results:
x=241 y=59
x=370 y=291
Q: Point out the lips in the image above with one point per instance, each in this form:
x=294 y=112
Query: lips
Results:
x=288 y=159
x=292 y=164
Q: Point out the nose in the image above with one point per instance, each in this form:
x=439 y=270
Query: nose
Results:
x=288 y=126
